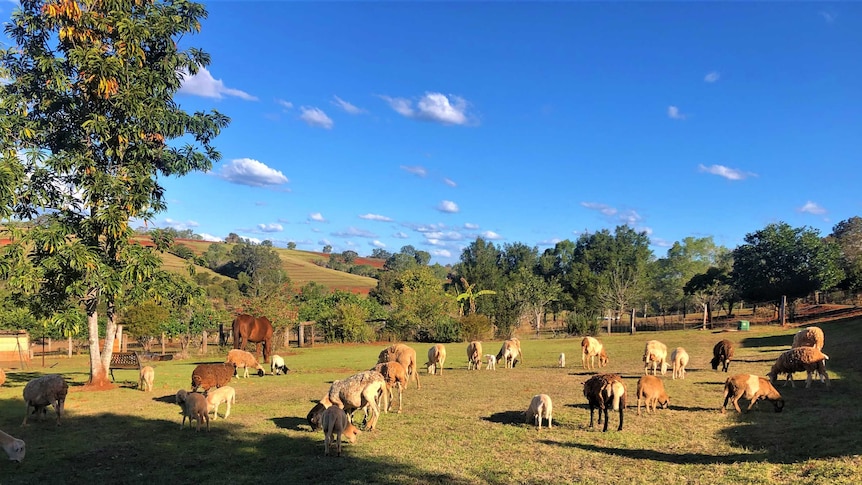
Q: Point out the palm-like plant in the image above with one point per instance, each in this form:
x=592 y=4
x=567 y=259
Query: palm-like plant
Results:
x=470 y=295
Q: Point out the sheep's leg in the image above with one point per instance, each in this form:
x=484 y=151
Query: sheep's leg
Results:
x=620 y=428
x=215 y=411
x=592 y=409
x=338 y=444
x=400 y=395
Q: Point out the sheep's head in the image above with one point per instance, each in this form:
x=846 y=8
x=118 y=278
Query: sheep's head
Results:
x=715 y=361
x=664 y=401
x=315 y=415
x=603 y=358
x=260 y=372
x=779 y=405
x=182 y=394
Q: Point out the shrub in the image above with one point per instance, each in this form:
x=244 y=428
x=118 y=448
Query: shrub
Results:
x=476 y=327
x=448 y=330
x=581 y=324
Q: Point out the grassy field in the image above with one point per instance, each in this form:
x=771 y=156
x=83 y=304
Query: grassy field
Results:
x=463 y=427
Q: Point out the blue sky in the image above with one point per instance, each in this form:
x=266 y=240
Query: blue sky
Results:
x=364 y=125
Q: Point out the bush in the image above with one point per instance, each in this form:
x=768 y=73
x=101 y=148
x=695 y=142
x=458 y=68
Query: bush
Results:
x=448 y=330
x=581 y=324
x=476 y=327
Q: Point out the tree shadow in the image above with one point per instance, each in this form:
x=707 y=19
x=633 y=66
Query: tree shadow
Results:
x=169 y=399
x=292 y=422
x=654 y=455
x=506 y=417
x=767 y=341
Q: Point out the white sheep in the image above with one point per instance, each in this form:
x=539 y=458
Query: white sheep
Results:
x=510 y=353
x=148 y=374
x=359 y=391
x=13 y=447
x=590 y=349
x=48 y=390
x=753 y=388
x=474 y=355
x=194 y=407
x=679 y=359
x=808 y=359
x=809 y=337
x=243 y=360
x=335 y=426
x=436 y=358
x=492 y=361
x=651 y=390
x=562 y=360
x=215 y=398
x=277 y=365
x=540 y=407
x=655 y=353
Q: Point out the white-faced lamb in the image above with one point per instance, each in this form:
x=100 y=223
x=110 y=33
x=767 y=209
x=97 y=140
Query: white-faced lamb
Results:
x=194 y=407
x=651 y=390
x=148 y=374
x=207 y=376
x=335 y=426
x=591 y=348
x=216 y=397
x=243 y=359
x=277 y=366
x=48 y=390
x=14 y=448
x=678 y=359
x=474 y=355
x=807 y=359
x=510 y=353
x=492 y=361
x=540 y=407
x=436 y=359
x=395 y=375
x=722 y=354
x=603 y=392
x=655 y=353
x=405 y=356
x=753 y=388
x=809 y=337
x=359 y=391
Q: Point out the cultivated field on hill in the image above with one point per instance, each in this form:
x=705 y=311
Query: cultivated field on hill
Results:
x=462 y=427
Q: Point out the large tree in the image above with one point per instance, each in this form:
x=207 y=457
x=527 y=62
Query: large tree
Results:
x=86 y=117
x=848 y=235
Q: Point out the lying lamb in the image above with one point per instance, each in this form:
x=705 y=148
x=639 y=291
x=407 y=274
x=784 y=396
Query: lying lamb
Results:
x=277 y=366
x=359 y=391
x=651 y=390
x=243 y=360
x=809 y=337
x=13 y=447
x=148 y=374
x=679 y=359
x=655 y=353
x=221 y=395
x=750 y=387
x=808 y=359
x=605 y=391
x=336 y=425
x=48 y=390
x=540 y=407
x=208 y=376
x=474 y=355
x=194 y=406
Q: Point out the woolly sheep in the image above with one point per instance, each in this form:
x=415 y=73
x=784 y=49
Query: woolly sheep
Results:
x=605 y=391
x=678 y=359
x=226 y=394
x=194 y=407
x=48 y=390
x=335 y=425
x=753 y=388
x=277 y=366
x=510 y=353
x=436 y=359
x=208 y=376
x=651 y=390
x=395 y=375
x=809 y=337
x=148 y=374
x=540 y=407
x=405 y=356
x=492 y=361
x=808 y=359
x=721 y=354
x=474 y=355
x=359 y=391
x=655 y=353
x=13 y=447
x=243 y=360
x=590 y=349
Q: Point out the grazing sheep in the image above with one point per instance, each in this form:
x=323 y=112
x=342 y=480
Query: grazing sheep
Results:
x=405 y=356
x=243 y=360
x=753 y=388
x=194 y=406
x=562 y=359
x=436 y=359
x=207 y=376
x=540 y=407
x=315 y=415
x=48 y=390
x=590 y=349
x=335 y=422
x=492 y=361
x=809 y=337
x=226 y=395
x=359 y=391
x=510 y=353
x=395 y=375
x=13 y=447
x=651 y=390
x=2 y=377
x=474 y=355
x=277 y=366
x=655 y=353
x=148 y=374
x=605 y=391
x=679 y=359
x=808 y=359
x=721 y=354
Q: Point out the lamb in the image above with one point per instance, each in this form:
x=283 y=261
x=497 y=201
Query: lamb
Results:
x=474 y=355
x=800 y=359
x=679 y=359
x=226 y=394
x=405 y=356
x=721 y=354
x=809 y=337
x=148 y=374
x=13 y=447
x=436 y=358
x=651 y=390
x=359 y=391
x=655 y=353
x=590 y=349
x=194 y=406
x=243 y=360
x=605 y=391
x=753 y=388
x=43 y=391
x=492 y=361
x=540 y=407
x=510 y=353
x=212 y=375
x=395 y=375
x=277 y=366
x=562 y=360
x=335 y=422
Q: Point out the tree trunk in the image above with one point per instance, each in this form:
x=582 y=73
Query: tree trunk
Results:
x=110 y=336
x=98 y=372
x=705 y=308
x=70 y=346
x=204 y=343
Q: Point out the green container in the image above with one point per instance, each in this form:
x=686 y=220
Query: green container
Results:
x=743 y=325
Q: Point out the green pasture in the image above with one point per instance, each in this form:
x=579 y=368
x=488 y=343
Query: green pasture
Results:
x=463 y=427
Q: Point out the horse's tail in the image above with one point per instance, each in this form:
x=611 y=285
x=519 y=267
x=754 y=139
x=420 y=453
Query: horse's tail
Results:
x=235 y=333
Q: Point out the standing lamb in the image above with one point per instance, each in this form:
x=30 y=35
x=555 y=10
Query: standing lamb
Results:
x=395 y=375
x=540 y=407
x=208 y=376
x=474 y=355
x=753 y=388
x=13 y=447
x=492 y=361
x=809 y=337
x=194 y=407
x=651 y=390
x=562 y=360
x=335 y=422
x=721 y=354
x=808 y=359
x=226 y=394
x=277 y=366
x=655 y=353
x=243 y=360
x=405 y=356
x=679 y=359
x=148 y=374
x=359 y=391
x=590 y=349
x=510 y=353
x=48 y=390
x=605 y=391
x=436 y=359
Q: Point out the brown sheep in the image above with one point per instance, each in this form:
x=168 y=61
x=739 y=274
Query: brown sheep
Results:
x=722 y=353
x=808 y=359
x=651 y=390
x=753 y=388
x=242 y=359
x=474 y=355
x=335 y=425
x=208 y=376
x=809 y=337
x=395 y=375
x=590 y=349
x=605 y=391
x=194 y=406
x=48 y=390
x=436 y=359
x=405 y=356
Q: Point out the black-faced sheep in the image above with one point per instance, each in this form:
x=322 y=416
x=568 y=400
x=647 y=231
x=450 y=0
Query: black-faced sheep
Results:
x=215 y=398
x=335 y=426
x=722 y=353
x=808 y=359
x=194 y=407
x=48 y=390
x=277 y=366
x=655 y=353
x=474 y=355
x=207 y=376
x=540 y=407
x=651 y=390
x=13 y=447
x=405 y=356
x=243 y=360
x=395 y=375
x=678 y=359
x=753 y=388
x=809 y=337
x=315 y=415
x=148 y=374
x=510 y=353
x=605 y=391
x=436 y=359
x=359 y=391
x=590 y=349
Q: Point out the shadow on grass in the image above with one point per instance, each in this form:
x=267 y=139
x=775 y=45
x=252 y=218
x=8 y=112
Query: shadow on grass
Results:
x=291 y=422
x=644 y=454
x=767 y=341
x=506 y=417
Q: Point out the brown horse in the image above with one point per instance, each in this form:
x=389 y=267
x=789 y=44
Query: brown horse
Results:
x=257 y=330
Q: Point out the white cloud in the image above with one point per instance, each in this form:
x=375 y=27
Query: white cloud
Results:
x=491 y=235
x=549 y=242
x=377 y=244
x=355 y=232
x=435 y=242
x=631 y=218
x=316 y=117
x=270 y=227
x=726 y=172
x=674 y=113
x=253 y=240
x=448 y=206
x=324 y=242
x=444 y=236
x=812 y=208
x=180 y=225
x=400 y=235
x=471 y=226
x=662 y=243
x=449 y=182
x=203 y=84
x=443 y=253
x=712 y=77
x=350 y=108
x=210 y=237
x=247 y=171
x=415 y=170
x=284 y=104
x=437 y=107
x=375 y=217
x=603 y=208
x=829 y=17
x=428 y=227
x=316 y=216
x=400 y=105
